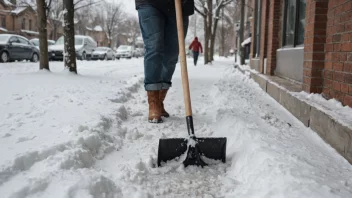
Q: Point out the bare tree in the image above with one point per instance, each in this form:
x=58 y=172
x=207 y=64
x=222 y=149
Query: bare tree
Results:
x=78 y=4
x=112 y=18
x=130 y=28
x=69 y=36
x=225 y=37
x=42 y=8
x=210 y=10
x=56 y=17
x=242 y=60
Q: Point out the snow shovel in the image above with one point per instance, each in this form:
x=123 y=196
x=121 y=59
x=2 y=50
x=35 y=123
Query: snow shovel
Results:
x=197 y=150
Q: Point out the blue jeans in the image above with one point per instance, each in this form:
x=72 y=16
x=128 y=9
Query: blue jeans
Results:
x=195 y=57
x=159 y=33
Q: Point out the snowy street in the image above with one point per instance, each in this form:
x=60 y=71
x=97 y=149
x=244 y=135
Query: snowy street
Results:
x=82 y=136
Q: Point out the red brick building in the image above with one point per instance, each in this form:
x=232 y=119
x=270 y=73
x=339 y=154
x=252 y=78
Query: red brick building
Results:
x=308 y=42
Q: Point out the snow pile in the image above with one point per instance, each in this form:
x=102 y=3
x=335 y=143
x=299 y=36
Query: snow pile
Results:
x=272 y=154
x=331 y=107
x=56 y=125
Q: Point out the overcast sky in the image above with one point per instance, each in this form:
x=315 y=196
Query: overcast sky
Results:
x=128 y=6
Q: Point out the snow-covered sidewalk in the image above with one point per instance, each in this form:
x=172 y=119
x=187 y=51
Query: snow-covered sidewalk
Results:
x=87 y=136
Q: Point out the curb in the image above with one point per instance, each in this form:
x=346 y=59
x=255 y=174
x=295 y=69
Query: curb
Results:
x=326 y=126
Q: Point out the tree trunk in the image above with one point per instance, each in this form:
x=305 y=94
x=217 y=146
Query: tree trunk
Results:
x=210 y=25
x=69 y=37
x=206 y=41
x=242 y=33
x=212 y=41
x=43 y=35
x=54 y=36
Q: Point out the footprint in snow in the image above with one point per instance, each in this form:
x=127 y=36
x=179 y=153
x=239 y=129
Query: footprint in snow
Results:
x=24 y=139
x=6 y=135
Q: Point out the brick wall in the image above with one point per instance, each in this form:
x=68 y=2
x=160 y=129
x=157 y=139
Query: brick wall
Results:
x=314 y=42
x=338 y=48
x=28 y=15
x=327 y=45
x=264 y=33
x=273 y=34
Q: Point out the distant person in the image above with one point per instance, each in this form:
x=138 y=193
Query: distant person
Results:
x=196 y=47
x=232 y=52
x=157 y=20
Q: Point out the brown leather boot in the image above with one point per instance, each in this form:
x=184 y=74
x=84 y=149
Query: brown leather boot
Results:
x=162 y=95
x=154 y=107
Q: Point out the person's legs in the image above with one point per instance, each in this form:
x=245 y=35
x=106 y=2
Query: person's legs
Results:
x=195 y=57
x=152 y=24
x=170 y=57
x=171 y=53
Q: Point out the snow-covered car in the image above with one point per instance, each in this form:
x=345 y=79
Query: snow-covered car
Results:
x=138 y=52
x=141 y=51
x=35 y=42
x=103 y=53
x=15 y=47
x=84 y=46
x=124 y=51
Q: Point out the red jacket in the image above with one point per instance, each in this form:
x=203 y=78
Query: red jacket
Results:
x=196 y=46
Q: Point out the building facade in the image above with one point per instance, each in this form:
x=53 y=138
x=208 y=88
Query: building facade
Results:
x=22 y=20
x=308 y=42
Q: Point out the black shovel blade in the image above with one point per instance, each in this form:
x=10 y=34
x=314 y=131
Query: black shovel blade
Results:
x=173 y=148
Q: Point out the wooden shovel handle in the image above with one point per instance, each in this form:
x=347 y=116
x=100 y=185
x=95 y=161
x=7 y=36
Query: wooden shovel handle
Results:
x=182 y=53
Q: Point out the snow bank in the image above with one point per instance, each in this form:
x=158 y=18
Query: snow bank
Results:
x=272 y=154
x=56 y=125
x=331 y=107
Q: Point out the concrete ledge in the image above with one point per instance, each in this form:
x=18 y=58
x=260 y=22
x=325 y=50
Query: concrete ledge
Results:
x=255 y=63
x=261 y=81
x=273 y=91
x=328 y=128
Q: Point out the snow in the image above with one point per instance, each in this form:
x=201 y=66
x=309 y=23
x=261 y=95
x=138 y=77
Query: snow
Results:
x=30 y=32
x=247 y=41
x=18 y=10
x=3 y=29
x=98 y=28
x=7 y=2
x=86 y=135
x=290 y=48
x=331 y=107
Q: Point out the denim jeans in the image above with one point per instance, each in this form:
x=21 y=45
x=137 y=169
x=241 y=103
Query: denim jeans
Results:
x=159 y=33
x=195 y=57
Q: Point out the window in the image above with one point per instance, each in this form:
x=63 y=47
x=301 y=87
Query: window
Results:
x=258 y=27
x=78 y=41
x=3 y=21
x=301 y=21
x=30 y=24
x=14 y=40
x=294 y=22
x=23 y=24
x=23 y=41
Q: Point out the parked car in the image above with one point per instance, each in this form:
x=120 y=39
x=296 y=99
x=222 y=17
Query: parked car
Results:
x=137 y=53
x=103 y=53
x=84 y=46
x=124 y=51
x=15 y=47
x=141 y=51
x=35 y=42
